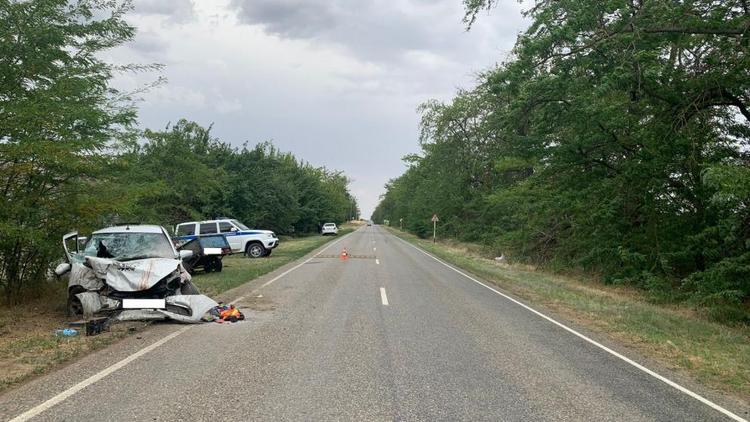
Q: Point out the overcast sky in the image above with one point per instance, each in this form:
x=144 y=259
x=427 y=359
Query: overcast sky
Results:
x=336 y=82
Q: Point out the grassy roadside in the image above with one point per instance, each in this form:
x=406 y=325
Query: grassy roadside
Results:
x=713 y=354
x=238 y=269
x=28 y=346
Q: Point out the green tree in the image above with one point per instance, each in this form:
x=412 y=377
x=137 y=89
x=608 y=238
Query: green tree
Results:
x=175 y=175
x=614 y=140
x=59 y=117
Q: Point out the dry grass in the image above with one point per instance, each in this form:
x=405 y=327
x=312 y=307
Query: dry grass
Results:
x=28 y=345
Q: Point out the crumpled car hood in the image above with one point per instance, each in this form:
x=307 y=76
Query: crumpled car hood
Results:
x=132 y=276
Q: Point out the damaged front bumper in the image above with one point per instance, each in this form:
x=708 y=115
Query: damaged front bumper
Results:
x=189 y=309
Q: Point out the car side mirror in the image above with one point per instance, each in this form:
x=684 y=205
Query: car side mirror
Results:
x=62 y=269
x=234 y=229
x=185 y=254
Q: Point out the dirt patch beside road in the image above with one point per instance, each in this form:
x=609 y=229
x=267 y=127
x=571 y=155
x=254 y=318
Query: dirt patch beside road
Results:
x=257 y=303
x=29 y=347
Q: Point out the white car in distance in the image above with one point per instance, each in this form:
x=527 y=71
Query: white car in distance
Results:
x=329 y=228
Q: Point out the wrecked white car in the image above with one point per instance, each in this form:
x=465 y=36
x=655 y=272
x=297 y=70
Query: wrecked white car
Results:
x=131 y=272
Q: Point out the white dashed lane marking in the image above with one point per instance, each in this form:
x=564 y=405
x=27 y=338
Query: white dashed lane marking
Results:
x=383 y=296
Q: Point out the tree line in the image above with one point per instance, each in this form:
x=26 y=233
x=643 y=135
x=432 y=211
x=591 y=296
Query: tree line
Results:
x=614 y=140
x=182 y=173
x=72 y=156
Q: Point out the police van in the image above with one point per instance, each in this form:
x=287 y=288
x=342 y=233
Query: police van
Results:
x=253 y=243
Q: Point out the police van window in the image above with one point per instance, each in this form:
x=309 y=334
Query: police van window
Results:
x=225 y=227
x=186 y=230
x=208 y=228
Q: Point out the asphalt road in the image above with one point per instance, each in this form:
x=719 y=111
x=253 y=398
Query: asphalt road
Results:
x=321 y=344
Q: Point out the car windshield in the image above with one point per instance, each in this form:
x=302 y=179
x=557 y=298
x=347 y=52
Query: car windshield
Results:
x=129 y=246
x=240 y=225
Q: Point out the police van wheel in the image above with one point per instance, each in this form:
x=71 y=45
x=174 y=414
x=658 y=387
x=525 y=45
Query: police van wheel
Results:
x=255 y=250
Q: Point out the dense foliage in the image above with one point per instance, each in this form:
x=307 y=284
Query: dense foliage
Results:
x=58 y=116
x=615 y=141
x=183 y=173
x=71 y=159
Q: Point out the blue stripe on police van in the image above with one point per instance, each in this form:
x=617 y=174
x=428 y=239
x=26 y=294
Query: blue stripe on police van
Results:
x=228 y=234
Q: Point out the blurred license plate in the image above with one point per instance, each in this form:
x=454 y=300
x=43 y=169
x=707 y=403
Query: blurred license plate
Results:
x=143 y=304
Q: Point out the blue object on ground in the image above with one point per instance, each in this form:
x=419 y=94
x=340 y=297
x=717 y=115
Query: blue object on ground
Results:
x=68 y=332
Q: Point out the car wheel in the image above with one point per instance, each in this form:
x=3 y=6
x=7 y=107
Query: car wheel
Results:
x=188 y=288
x=74 y=307
x=218 y=264
x=255 y=250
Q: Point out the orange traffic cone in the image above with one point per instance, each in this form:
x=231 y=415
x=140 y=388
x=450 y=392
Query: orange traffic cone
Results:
x=344 y=255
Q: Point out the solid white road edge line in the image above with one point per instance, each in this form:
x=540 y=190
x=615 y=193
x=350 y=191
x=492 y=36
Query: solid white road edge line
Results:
x=59 y=398
x=94 y=378
x=377 y=261
x=383 y=296
x=595 y=343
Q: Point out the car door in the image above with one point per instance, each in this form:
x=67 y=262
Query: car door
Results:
x=230 y=232
x=70 y=245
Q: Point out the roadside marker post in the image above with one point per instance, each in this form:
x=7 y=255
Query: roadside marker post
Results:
x=435 y=219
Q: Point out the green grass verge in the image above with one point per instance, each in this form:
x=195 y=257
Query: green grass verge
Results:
x=678 y=337
x=239 y=269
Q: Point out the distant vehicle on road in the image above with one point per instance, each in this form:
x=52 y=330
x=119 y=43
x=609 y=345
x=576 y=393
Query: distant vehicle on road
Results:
x=329 y=228
x=242 y=239
x=369 y=223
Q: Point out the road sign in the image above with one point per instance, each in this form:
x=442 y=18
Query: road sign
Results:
x=435 y=219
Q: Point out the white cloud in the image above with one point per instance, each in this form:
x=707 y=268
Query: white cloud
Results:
x=178 y=11
x=337 y=82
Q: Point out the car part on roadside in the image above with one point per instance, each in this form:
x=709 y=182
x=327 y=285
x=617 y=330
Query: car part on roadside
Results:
x=96 y=326
x=182 y=308
x=208 y=252
x=92 y=326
